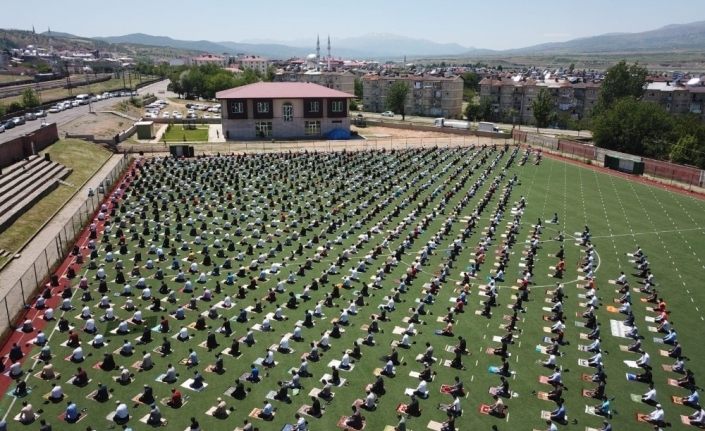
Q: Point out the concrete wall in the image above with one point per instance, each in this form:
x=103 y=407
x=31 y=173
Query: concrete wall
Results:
x=24 y=146
x=448 y=130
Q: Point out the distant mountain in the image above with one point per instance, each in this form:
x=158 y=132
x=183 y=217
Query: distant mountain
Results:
x=270 y=50
x=146 y=39
x=391 y=45
x=675 y=37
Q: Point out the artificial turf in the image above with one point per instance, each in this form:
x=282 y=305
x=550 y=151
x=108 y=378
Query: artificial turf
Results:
x=323 y=188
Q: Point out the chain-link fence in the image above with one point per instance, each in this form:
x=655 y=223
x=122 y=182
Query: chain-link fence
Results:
x=38 y=273
x=318 y=145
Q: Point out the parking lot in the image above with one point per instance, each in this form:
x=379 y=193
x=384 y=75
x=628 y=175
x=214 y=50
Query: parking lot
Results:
x=69 y=114
x=164 y=109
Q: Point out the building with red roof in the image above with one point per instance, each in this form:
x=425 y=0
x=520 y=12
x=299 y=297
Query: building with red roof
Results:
x=284 y=110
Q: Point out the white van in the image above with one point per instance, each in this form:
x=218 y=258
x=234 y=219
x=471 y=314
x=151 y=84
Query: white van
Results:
x=83 y=99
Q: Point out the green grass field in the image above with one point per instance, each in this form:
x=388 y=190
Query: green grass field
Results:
x=85 y=159
x=178 y=133
x=320 y=189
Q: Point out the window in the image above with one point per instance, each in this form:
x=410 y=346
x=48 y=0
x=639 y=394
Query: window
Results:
x=337 y=121
x=314 y=106
x=263 y=129
x=237 y=107
x=262 y=107
x=313 y=128
x=288 y=112
x=337 y=106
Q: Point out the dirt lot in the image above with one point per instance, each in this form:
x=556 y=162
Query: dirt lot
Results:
x=101 y=125
x=377 y=132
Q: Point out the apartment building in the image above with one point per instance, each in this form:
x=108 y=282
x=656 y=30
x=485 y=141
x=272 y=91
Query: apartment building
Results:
x=254 y=62
x=678 y=98
x=217 y=60
x=341 y=81
x=429 y=95
x=512 y=97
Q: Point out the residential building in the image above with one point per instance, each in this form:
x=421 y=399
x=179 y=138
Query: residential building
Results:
x=429 y=95
x=217 y=60
x=342 y=81
x=512 y=97
x=254 y=62
x=284 y=110
x=675 y=97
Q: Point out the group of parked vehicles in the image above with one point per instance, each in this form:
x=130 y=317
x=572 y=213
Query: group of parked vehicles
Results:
x=21 y=119
x=158 y=109
x=81 y=99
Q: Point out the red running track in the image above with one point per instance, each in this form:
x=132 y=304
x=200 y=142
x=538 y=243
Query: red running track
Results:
x=24 y=340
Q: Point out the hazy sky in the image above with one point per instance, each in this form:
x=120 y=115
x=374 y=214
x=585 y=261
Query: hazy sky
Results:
x=483 y=24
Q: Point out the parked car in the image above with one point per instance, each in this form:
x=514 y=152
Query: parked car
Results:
x=54 y=109
x=2 y=128
x=30 y=116
x=165 y=114
x=18 y=121
x=9 y=124
x=75 y=104
x=41 y=113
x=387 y=114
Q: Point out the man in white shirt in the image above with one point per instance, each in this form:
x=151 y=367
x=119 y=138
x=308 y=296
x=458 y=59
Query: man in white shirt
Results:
x=644 y=361
x=657 y=416
x=650 y=396
x=56 y=393
x=300 y=423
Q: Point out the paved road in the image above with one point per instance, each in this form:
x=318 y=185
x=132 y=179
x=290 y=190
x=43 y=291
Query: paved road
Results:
x=63 y=117
x=429 y=121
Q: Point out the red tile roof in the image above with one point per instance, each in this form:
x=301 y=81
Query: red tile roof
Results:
x=281 y=90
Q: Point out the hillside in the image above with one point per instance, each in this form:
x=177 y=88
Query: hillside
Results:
x=677 y=37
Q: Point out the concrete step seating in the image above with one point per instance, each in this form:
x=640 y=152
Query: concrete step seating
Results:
x=24 y=183
x=18 y=169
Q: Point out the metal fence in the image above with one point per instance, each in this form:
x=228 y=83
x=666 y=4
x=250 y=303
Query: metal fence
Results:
x=675 y=173
x=318 y=145
x=38 y=273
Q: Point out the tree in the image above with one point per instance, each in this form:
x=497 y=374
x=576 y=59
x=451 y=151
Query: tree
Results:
x=271 y=73
x=471 y=80
x=621 y=80
x=396 y=97
x=469 y=94
x=634 y=127
x=30 y=98
x=358 y=88
x=484 y=110
x=472 y=111
x=542 y=106
x=512 y=115
x=686 y=151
